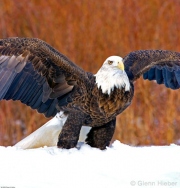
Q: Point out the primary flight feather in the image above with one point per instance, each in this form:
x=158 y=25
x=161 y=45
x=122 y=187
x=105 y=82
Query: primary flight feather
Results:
x=44 y=79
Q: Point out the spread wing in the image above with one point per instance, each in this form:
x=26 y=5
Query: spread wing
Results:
x=36 y=74
x=160 y=65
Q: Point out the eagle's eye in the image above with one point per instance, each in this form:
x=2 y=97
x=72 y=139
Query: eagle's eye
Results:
x=110 y=62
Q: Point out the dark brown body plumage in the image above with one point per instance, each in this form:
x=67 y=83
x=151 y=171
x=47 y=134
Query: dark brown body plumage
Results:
x=44 y=79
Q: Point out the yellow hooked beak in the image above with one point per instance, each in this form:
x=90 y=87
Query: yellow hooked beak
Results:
x=120 y=65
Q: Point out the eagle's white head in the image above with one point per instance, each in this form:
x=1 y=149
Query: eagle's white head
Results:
x=112 y=75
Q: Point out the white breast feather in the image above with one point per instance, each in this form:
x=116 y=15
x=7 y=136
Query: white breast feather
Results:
x=107 y=80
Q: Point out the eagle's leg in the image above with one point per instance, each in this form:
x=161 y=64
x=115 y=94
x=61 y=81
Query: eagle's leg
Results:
x=100 y=137
x=69 y=134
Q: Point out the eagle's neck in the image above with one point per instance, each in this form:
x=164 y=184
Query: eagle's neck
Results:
x=108 y=80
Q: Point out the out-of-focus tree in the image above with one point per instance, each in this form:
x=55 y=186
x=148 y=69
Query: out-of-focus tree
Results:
x=88 y=32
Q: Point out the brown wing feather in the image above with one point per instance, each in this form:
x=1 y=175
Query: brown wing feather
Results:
x=33 y=65
x=138 y=62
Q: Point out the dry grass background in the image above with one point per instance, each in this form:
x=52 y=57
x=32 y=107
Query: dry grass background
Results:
x=88 y=31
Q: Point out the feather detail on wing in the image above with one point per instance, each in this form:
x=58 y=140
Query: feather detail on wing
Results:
x=36 y=74
x=160 y=65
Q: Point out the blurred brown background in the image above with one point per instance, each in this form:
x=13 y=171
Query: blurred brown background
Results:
x=88 y=31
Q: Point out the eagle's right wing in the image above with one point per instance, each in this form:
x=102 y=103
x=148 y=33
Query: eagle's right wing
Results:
x=36 y=74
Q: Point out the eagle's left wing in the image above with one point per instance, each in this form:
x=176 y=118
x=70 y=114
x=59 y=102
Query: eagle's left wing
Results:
x=160 y=65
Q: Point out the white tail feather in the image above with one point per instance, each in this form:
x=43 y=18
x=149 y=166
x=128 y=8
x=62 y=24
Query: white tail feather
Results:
x=47 y=135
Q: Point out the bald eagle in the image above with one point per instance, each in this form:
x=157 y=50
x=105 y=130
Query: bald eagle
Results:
x=41 y=77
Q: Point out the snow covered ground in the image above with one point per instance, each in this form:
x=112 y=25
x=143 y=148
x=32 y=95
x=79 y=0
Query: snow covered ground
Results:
x=118 y=166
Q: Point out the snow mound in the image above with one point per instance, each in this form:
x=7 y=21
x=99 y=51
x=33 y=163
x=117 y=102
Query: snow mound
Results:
x=118 y=166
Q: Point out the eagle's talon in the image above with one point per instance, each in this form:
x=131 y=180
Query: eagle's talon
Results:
x=66 y=144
